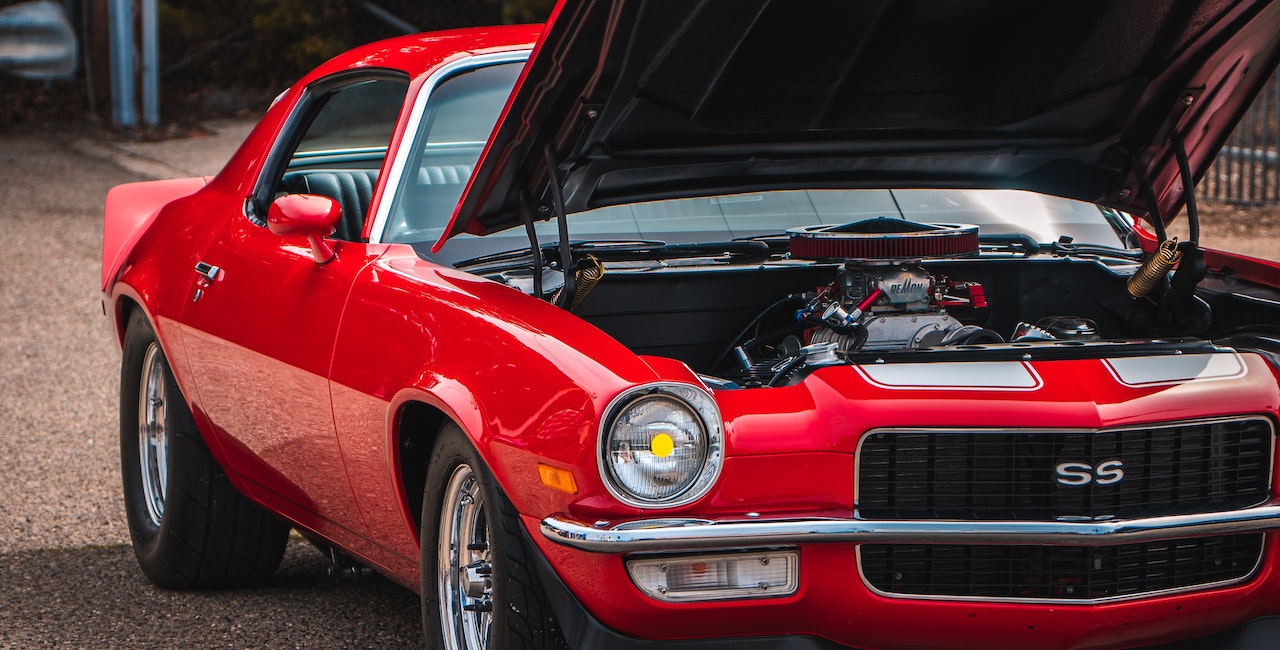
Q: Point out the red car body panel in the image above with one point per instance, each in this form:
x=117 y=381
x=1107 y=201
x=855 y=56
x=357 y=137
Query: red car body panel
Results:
x=133 y=207
x=349 y=345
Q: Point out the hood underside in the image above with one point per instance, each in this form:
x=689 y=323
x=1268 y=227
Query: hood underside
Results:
x=648 y=99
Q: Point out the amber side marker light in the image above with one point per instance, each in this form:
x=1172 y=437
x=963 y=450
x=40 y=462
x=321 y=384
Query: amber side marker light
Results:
x=557 y=479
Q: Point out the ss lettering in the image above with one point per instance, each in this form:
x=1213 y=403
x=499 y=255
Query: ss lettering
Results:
x=1076 y=474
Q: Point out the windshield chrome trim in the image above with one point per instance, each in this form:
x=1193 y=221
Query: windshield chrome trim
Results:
x=663 y=536
x=396 y=171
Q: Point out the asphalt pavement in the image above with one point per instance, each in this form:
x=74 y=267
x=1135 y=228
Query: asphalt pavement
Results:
x=68 y=577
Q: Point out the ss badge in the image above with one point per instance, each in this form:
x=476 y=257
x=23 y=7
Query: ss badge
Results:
x=1107 y=472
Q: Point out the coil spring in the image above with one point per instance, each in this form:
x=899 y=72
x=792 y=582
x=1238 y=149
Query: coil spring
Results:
x=1155 y=269
x=587 y=276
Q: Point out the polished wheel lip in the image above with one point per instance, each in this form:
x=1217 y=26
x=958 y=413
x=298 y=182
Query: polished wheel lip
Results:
x=153 y=439
x=462 y=559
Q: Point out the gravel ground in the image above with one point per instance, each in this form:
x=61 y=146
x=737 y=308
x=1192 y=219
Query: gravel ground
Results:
x=67 y=573
x=1250 y=230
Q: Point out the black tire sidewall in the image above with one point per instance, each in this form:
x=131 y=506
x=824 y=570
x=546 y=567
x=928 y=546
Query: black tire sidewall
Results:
x=139 y=336
x=159 y=549
x=452 y=449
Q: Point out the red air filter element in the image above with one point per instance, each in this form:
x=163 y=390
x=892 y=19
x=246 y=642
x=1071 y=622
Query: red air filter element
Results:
x=883 y=239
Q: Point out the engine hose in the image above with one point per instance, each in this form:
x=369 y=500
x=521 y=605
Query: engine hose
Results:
x=588 y=276
x=791 y=365
x=1155 y=269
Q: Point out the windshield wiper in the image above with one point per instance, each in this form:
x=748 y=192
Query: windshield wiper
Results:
x=611 y=251
x=1015 y=242
x=625 y=251
x=1065 y=248
x=1024 y=244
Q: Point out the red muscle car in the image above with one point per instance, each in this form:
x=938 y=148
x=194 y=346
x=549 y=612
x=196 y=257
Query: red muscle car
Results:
x=730 y=323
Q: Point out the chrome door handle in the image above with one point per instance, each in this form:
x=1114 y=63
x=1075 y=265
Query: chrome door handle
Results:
x=209 y=271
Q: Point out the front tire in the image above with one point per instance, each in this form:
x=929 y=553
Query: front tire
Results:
x=190 y=527
x=480 y=590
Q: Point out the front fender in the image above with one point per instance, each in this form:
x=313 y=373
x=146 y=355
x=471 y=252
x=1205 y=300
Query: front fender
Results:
x=524 y=380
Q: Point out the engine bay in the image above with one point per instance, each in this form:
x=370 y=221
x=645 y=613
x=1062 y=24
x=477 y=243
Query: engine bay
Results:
x=883 y=299
x=748 y=314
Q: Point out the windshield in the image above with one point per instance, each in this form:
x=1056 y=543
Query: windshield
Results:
x=1044 y=219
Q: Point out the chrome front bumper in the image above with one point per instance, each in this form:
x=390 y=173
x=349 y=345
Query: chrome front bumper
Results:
x=673 y=534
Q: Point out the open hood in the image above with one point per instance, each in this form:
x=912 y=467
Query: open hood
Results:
x=1086 y=99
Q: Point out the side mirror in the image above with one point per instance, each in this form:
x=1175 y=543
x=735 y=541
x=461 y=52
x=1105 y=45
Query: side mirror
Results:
x=306 y=215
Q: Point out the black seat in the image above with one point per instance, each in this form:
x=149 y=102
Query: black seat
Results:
x=436 y=194
x=351 y=188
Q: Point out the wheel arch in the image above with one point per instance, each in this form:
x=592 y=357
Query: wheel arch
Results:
x=124 y=308
x=417 y=426
x=418 y=416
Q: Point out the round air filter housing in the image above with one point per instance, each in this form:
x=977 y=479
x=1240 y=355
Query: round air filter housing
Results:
x=883 y=239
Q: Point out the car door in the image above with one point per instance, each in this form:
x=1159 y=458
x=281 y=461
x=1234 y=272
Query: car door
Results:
x=264 y=313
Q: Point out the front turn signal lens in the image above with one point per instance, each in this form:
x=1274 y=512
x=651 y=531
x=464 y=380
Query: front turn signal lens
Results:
x=557 y=479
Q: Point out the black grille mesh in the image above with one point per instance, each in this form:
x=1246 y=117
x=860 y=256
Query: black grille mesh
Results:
x=1059 y=573
x=997 y=475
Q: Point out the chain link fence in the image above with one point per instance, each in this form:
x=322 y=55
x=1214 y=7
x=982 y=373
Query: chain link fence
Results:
x=1247 y=170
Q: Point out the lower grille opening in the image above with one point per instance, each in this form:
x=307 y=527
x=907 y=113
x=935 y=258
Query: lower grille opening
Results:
x=1064 y=573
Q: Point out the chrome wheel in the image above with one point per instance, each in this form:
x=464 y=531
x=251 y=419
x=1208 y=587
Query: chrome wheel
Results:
x=153 y=441
x=463 y=565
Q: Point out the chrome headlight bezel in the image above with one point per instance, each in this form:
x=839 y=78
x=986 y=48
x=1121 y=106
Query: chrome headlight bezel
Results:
x=701 y=405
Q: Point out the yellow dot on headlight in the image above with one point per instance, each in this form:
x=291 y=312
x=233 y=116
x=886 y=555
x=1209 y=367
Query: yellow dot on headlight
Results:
x=662 y=445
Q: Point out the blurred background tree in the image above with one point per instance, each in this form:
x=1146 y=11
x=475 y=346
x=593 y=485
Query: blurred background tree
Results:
x=229 y=56
x=261 y=44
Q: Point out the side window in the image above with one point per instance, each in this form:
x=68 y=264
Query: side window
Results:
x=341 y=148
x=461 y=113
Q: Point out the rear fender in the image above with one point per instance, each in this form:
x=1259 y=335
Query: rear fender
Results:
x=131 y=208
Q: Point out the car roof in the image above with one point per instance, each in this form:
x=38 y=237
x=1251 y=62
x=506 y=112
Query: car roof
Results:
x=421 y=54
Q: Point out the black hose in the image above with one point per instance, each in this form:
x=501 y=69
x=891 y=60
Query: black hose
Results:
x=787 y=369
x=755 y=321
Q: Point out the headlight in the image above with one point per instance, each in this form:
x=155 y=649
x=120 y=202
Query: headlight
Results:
x=661 y=445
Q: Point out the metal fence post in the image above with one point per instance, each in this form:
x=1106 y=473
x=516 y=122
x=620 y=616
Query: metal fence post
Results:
x=150 y=63
x=123 y=103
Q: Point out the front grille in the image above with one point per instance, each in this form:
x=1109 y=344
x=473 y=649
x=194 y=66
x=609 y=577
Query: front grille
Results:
x=1169 y=469
x=1059 y=573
